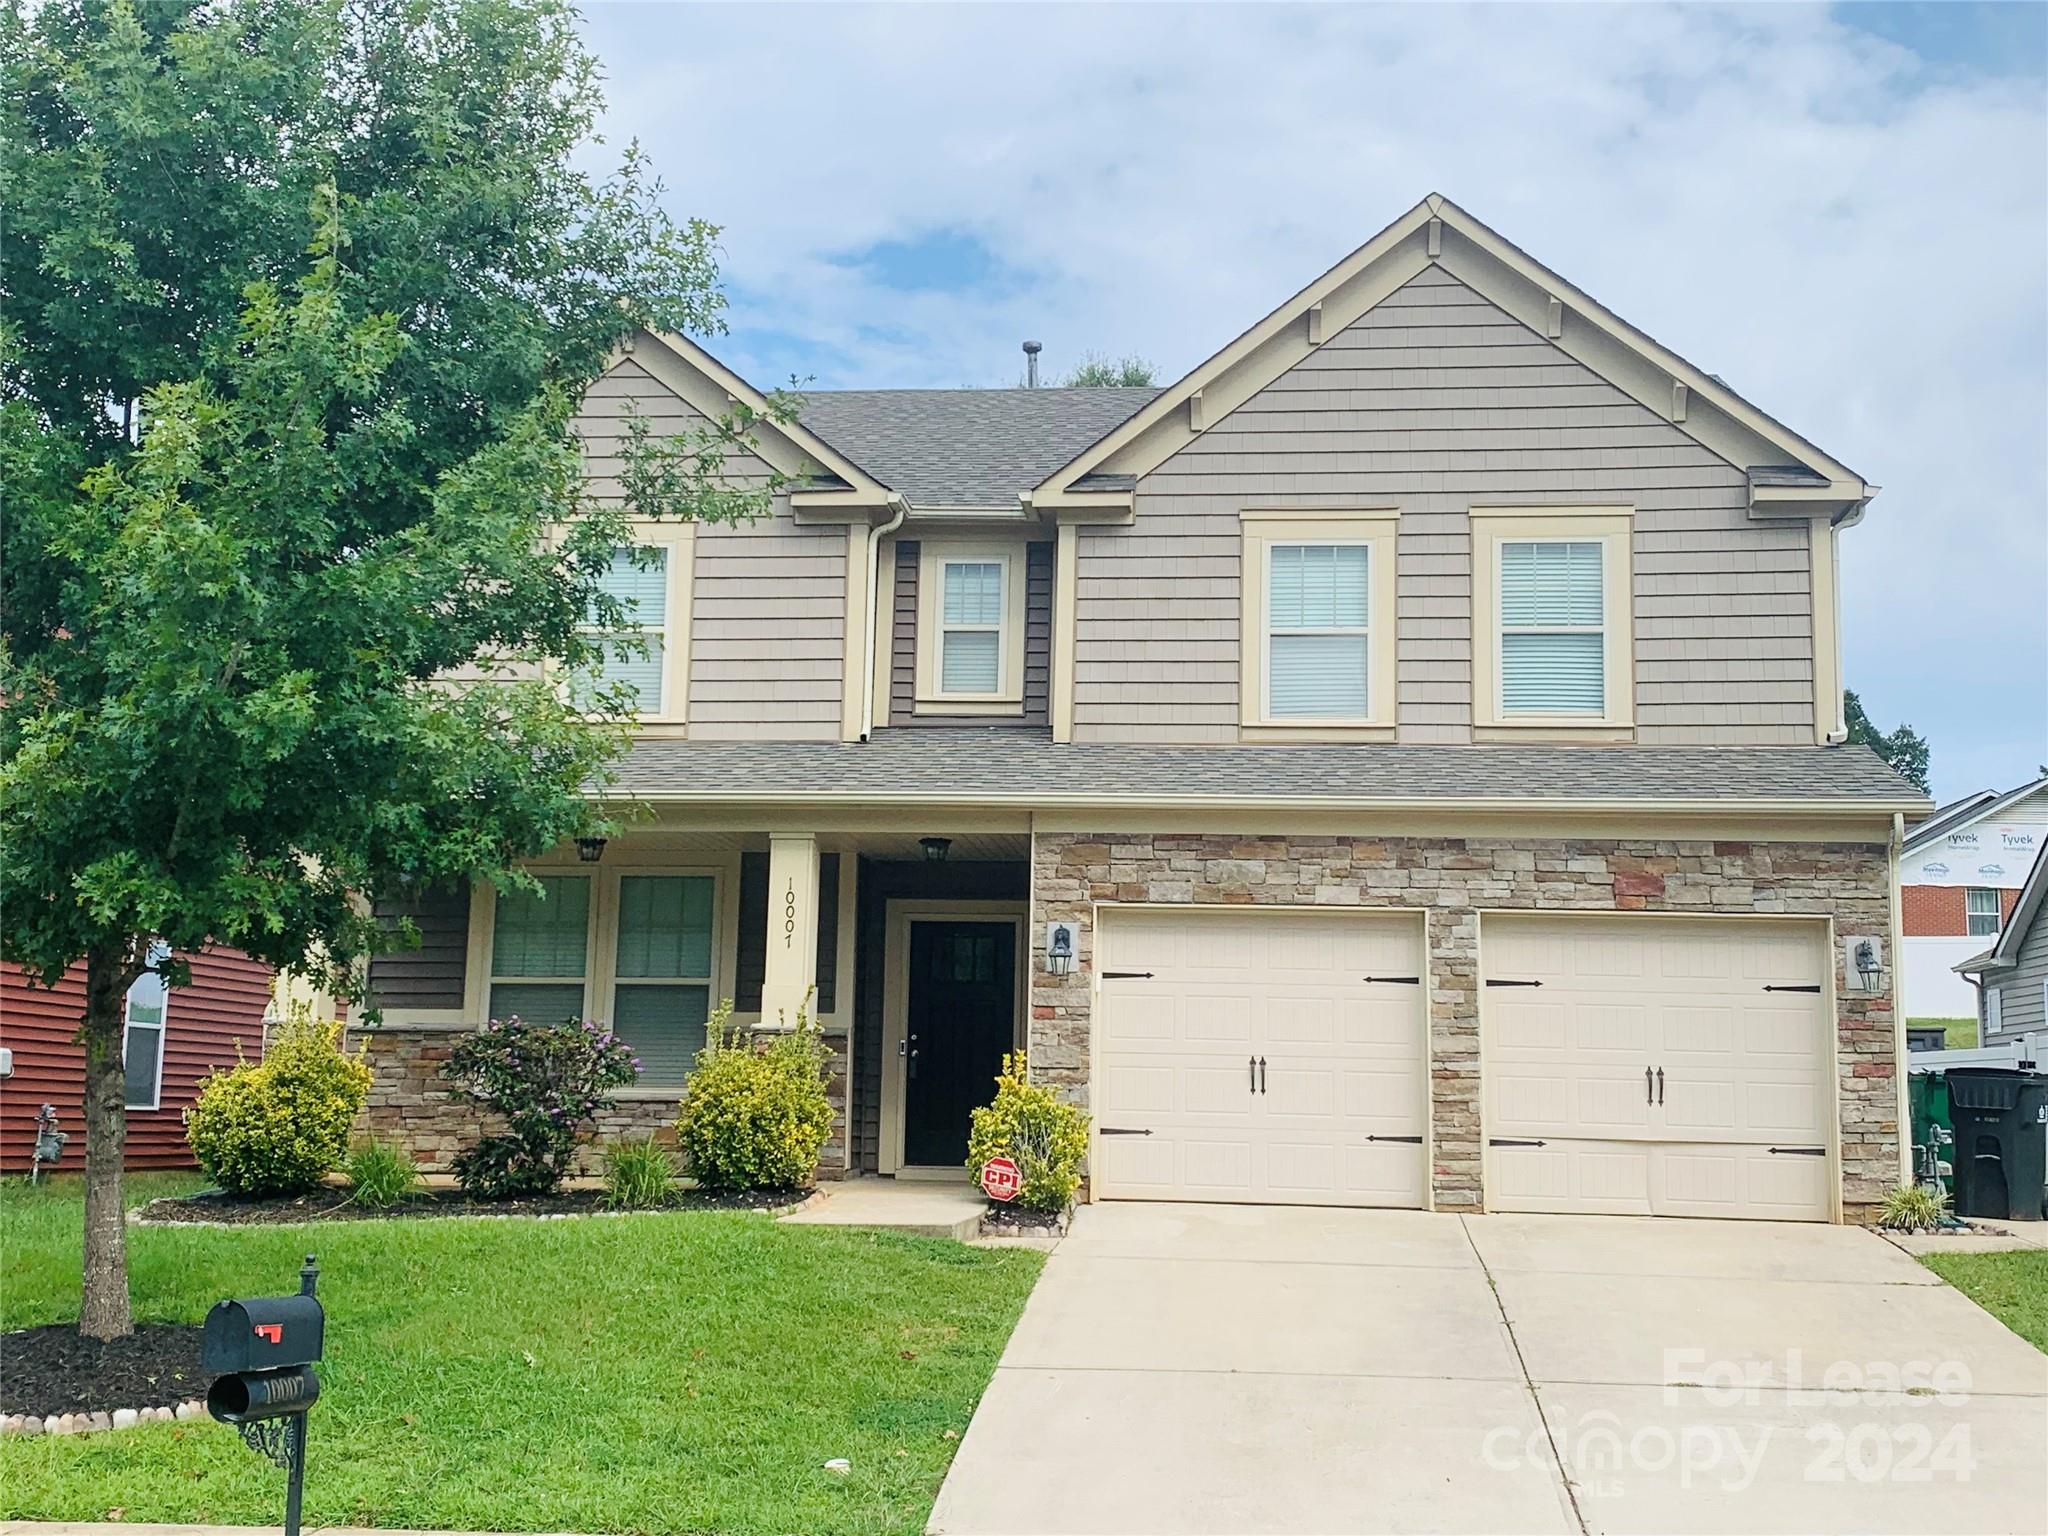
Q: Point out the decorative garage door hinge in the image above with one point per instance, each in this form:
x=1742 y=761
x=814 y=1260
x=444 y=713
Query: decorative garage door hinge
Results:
x=1398 y=981
x=1414 y=1141
x=1800 y=987
x=1799 y=1151
x=1496 y=981
x=1122 y=1130
x=1126 y=975
x=1509 y=1141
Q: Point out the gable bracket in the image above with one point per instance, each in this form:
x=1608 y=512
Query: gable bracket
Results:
x=1196 y=419
x=1553 y=319
x=1678 y=401
x=1315 y=325
x=1436 y=238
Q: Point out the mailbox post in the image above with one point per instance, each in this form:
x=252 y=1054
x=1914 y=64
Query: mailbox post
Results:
x=263 y=1349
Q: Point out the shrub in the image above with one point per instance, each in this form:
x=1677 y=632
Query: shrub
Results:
x=1045 y=1135
x=280 y=1125
x=547 y=1083
x=1913 y=1208
x=638 y=1174
x=756 y=1118
x=380 y=1174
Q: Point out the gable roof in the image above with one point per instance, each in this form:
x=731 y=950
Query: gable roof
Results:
x=965 y=448
x=1966 y=812
x=2025 y=913
x=1787 y=472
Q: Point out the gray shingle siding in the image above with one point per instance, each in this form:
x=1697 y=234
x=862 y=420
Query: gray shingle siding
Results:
x=1436 y=401
x=902 y=703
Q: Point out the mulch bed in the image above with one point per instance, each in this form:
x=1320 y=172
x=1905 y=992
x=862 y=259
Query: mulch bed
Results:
x=1014 y=1221
x=215 y=1208
x=53 y=1369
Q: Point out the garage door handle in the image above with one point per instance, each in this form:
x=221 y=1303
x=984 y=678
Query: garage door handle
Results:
x=1802 y=987
x=1262 y=1074
x=1799 y=1151
x=1251 y=1065
x=1660 y=1085
x=1398 y=981
x=1495 y=981
x=1413 y=1141
x=1508 y=1141
x=1649 y=1087
x=1126 y=975
x=1122 y=1130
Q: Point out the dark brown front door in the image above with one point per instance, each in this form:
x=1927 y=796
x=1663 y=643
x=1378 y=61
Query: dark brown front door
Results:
x=962 y=1018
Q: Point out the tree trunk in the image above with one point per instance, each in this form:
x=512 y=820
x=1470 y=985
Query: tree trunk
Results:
x=109 y=971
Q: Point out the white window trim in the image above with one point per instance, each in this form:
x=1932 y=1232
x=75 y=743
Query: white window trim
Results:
x=158 y=952
x=679 y=540
x=606 y=915
x=1996 y=914
x=1374 y=529
x=486 y=899
x=933 y=556
x=1610 y=527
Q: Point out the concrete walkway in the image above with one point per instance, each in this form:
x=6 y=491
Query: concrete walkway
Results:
x=927 y=1208
x=1238 y=1369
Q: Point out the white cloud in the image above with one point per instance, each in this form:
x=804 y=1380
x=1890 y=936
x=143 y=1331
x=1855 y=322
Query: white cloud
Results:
x=1854 y=241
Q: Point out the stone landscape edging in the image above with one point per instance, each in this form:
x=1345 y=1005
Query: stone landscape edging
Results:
x=100 y=1420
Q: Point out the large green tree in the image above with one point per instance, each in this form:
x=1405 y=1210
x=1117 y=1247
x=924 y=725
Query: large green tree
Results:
x=1904 y=748
x=297 y=302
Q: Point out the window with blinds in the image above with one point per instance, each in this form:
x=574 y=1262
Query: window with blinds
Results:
x=1318 y=631
x=142 y=1039
x=971 y=626
x=640 y=586
x=1553 y=631
x=661 y=984
x=540 y=950
x=1981 y=912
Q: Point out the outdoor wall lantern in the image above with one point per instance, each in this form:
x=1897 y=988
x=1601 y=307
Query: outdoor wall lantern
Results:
x=590 y=849
x=1864 y=963
x=1059 y=949
x=935 y=848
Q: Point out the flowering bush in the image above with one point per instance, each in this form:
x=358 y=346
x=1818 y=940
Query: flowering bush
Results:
x=547 y=1082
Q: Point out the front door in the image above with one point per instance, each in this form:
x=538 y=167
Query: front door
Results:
x=961 y=1012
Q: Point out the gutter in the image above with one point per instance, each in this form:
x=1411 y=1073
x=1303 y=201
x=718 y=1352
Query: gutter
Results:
x=867 y=672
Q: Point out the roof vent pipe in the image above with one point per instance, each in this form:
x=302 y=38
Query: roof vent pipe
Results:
x=1031 y=351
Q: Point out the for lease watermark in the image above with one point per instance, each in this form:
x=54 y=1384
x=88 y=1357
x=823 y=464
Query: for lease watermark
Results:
x=1866 y=1422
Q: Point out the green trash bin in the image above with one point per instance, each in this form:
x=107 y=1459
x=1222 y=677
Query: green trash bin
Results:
x=2000 y=1117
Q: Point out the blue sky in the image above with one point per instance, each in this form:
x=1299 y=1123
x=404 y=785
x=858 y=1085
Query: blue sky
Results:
x=1842 y=210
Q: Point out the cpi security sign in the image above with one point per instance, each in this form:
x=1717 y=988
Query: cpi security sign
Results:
x=1000 y=1178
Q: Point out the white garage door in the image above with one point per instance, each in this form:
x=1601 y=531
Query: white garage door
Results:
x=1260 y=1056
x=1657 y=1066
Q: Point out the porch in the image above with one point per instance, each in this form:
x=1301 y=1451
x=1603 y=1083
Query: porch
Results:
x=915 y=973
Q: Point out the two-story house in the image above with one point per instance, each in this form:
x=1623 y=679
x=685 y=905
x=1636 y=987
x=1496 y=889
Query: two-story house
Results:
x=1398 y=764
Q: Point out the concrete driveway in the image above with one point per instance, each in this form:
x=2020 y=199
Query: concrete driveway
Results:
x=1241 y=1369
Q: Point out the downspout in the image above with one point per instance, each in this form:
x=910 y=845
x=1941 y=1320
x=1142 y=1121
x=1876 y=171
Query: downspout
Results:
x=1838 y=726
x=867 y=672
x=1902 y=1068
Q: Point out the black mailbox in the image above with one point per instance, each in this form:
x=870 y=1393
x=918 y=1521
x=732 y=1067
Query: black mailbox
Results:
x=262 y=1333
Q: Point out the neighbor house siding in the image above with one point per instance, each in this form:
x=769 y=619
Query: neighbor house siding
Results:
x=1433 y=402
x=2022 y=1005
x=903 y=642
x=768 y=605
x=214 y=1022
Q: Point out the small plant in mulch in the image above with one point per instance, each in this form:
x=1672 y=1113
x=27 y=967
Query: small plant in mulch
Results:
x=547 y=1083
x=1914 y=1208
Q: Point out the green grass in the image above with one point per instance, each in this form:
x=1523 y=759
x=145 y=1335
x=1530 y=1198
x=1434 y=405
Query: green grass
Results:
x=659 y=1372
x=2012 y=1287
x=1961 y=1033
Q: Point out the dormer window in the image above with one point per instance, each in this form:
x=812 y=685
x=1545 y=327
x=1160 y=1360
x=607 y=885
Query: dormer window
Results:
x=970 y=625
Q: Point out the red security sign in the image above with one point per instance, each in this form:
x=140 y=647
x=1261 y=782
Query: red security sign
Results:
x=999 y=1177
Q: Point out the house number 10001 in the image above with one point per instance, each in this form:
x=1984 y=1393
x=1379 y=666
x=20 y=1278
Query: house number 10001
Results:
x=789 y=915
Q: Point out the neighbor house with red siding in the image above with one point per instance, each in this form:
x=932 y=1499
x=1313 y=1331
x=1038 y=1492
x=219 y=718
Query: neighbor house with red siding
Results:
x=174 y=1037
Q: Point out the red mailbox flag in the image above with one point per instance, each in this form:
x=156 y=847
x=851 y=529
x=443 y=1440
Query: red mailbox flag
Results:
x=999 y=1177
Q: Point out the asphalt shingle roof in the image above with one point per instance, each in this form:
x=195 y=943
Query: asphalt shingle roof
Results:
x=969 y=764
x=965 y=447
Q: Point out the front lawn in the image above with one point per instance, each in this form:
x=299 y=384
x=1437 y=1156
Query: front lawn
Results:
x=666 y=1372
x=2012 y=1287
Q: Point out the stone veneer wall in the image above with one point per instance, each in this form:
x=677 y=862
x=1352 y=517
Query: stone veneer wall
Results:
x=1453 y=879
x=410 y=1103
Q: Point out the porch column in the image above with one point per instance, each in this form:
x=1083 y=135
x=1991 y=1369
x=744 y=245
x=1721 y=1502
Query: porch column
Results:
x=792 y=950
